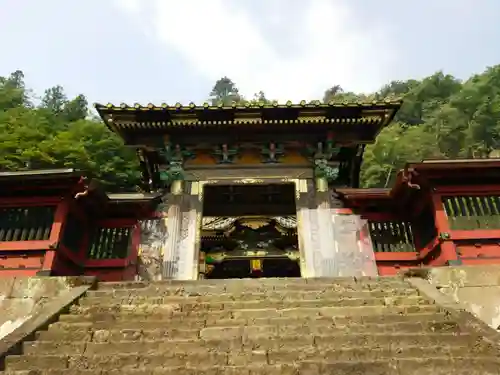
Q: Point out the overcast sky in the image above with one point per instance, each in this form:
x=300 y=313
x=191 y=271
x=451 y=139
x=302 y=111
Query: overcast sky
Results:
x=174 y=50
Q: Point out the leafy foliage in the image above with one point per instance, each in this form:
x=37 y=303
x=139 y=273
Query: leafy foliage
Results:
x=442 y=117
x=59 y=133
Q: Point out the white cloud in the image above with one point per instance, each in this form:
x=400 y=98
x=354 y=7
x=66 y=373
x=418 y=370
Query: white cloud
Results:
x=131 y=6
x=221 y=38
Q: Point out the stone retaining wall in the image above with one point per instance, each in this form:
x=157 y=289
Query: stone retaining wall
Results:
x=476 y=288
x=22 y=298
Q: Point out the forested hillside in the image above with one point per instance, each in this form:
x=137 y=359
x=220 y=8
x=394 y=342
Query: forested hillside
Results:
x=442 y=117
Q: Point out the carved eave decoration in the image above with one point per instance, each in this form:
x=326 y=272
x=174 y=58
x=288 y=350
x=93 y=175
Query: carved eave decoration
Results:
x=225 y=224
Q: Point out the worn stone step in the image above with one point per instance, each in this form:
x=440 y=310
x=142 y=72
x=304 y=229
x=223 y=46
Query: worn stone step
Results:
x=175 y=311
x=209 y=295
x=110 y=332
x=188 y=304
x=410 y=366
x=238 y=283
x=103 y=321
x=291 y=355
x=318 y=360
x=233 y=340
x=259 y=285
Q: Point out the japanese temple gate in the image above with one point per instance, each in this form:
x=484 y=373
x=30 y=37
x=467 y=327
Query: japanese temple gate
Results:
x=250 y=191
x=332 y=242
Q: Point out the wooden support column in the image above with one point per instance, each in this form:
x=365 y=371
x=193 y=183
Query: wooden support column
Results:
x=448 y=254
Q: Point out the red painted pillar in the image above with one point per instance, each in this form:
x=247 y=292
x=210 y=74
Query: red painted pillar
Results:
x=448 y=253
x=55 y=235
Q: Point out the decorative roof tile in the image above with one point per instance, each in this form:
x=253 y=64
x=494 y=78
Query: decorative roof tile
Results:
x=206 y=106
x=125 y=119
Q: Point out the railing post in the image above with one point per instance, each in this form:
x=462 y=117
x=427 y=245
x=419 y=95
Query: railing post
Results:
x=448 y=254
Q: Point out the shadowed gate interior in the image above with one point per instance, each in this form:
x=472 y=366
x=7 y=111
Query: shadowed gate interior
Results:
x=249 y=231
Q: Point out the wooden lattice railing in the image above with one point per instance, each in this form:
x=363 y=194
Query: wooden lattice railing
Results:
x=391 y=236
x=472 y=212
x=109 y=243
x=26 y=223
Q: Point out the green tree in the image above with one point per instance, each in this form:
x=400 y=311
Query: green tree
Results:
x=54 y=99
x=442 y=117
x=58 y=134
x=224 y=92
x=395 y=146
x=76 y=109
x=13 y=92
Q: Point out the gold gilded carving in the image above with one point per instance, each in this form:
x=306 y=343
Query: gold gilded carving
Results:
x=195 y=188
x=254 y=223
x=284 y=223
x=303 y=186
x=249 y=181
x=321 y=184
x=296 y=182
x=200 y=187
x=231 y=173
x=219 y=257
x=197 y=247
x=256 y=265
x=177 y=187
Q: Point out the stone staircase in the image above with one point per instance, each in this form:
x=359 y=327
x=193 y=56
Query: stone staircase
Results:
x=260 y=326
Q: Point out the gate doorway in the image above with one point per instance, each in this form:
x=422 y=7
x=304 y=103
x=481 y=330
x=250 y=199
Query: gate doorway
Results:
x=249 y=231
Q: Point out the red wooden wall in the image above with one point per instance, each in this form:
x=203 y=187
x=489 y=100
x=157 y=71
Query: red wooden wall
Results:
x=103 y=243
x=47 y=229
x=438 y=213
x=32 y=214
x=469 y=221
